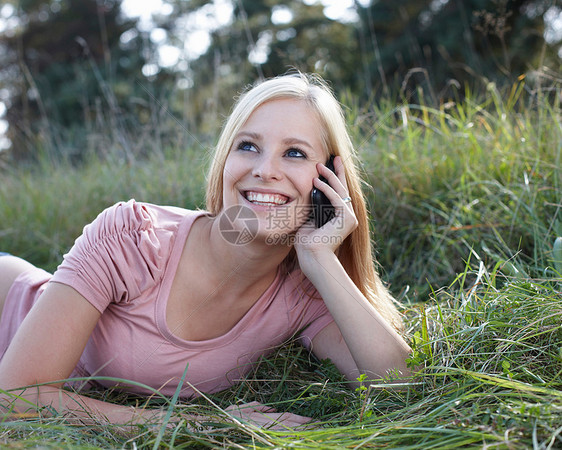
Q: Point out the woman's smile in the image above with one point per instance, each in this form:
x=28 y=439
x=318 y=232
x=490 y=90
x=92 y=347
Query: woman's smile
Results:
x=266 y=198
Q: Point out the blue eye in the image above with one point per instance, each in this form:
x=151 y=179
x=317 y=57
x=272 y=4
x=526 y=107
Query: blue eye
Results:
x=295 y=153
x=247 y=146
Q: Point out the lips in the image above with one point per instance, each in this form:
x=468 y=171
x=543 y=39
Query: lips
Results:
x=266 y=198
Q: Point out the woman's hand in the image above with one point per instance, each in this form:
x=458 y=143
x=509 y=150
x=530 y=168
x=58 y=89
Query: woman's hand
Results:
x=312 y=242
x=266 y=416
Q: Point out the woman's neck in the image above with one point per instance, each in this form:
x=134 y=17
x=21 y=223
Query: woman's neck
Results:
x=246 y=266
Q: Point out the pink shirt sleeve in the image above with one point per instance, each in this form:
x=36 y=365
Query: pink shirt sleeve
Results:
x=117 y=257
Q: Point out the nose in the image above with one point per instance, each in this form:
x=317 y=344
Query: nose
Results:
x=267 y=167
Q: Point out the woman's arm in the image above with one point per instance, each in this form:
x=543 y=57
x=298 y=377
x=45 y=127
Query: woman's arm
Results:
x=360 y=341
x=363 y=342
x=46 y=348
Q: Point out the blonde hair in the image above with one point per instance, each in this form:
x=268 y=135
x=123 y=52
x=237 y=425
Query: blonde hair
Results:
x=355 y=253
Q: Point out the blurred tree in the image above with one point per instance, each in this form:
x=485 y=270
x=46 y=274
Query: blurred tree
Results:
x=432 y=42
x=78 y=65
x=64 y=65
x=267 y=38
x=391 y=46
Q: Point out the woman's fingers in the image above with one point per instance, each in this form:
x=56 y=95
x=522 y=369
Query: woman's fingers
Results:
x=266 y=416
x=336 y=180
x=240 y=410
x=333 y=195
x=278 y=421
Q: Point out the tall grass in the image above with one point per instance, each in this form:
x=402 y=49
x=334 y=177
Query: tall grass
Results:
x=465 y=198
x=481 y=173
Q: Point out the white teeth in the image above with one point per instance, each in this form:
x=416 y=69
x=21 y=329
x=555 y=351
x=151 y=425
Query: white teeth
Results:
x=266 y=199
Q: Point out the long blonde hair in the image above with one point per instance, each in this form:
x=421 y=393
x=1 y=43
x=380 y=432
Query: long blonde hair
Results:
x=355 y=253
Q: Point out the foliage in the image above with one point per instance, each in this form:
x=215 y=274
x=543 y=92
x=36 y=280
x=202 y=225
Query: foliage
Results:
x=436 y=44
x=71 y=65
x=308 y=41
x=45 y=207
x=67 y=68
x=391 y=46
x=467 y=175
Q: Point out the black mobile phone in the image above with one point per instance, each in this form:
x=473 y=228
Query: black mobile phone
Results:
x=322 y=209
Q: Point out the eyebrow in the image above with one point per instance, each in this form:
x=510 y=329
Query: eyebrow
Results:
x=288 y=141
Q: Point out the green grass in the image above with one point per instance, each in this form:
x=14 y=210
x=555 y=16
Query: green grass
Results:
x=466 y=205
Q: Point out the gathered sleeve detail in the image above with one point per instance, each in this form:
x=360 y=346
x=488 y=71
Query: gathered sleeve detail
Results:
x=118 y=256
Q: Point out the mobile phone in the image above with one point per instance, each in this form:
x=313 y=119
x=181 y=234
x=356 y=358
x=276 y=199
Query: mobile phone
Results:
x=322 y=209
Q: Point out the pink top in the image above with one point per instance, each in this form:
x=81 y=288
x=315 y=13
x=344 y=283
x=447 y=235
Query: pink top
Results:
x=124 y=265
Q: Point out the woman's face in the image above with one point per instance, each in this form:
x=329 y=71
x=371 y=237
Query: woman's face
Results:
x=272 y=163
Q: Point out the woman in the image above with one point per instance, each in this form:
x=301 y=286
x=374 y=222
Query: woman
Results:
x=148 y=290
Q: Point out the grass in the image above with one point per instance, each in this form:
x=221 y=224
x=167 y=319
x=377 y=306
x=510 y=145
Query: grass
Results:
x=466 y=199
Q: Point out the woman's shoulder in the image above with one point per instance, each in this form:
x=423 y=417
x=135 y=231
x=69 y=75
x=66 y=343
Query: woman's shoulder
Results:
x=142 y=228
x=128 y=215
x=123 y=252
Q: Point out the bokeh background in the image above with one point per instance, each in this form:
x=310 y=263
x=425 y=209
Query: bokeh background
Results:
x=68 y=65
